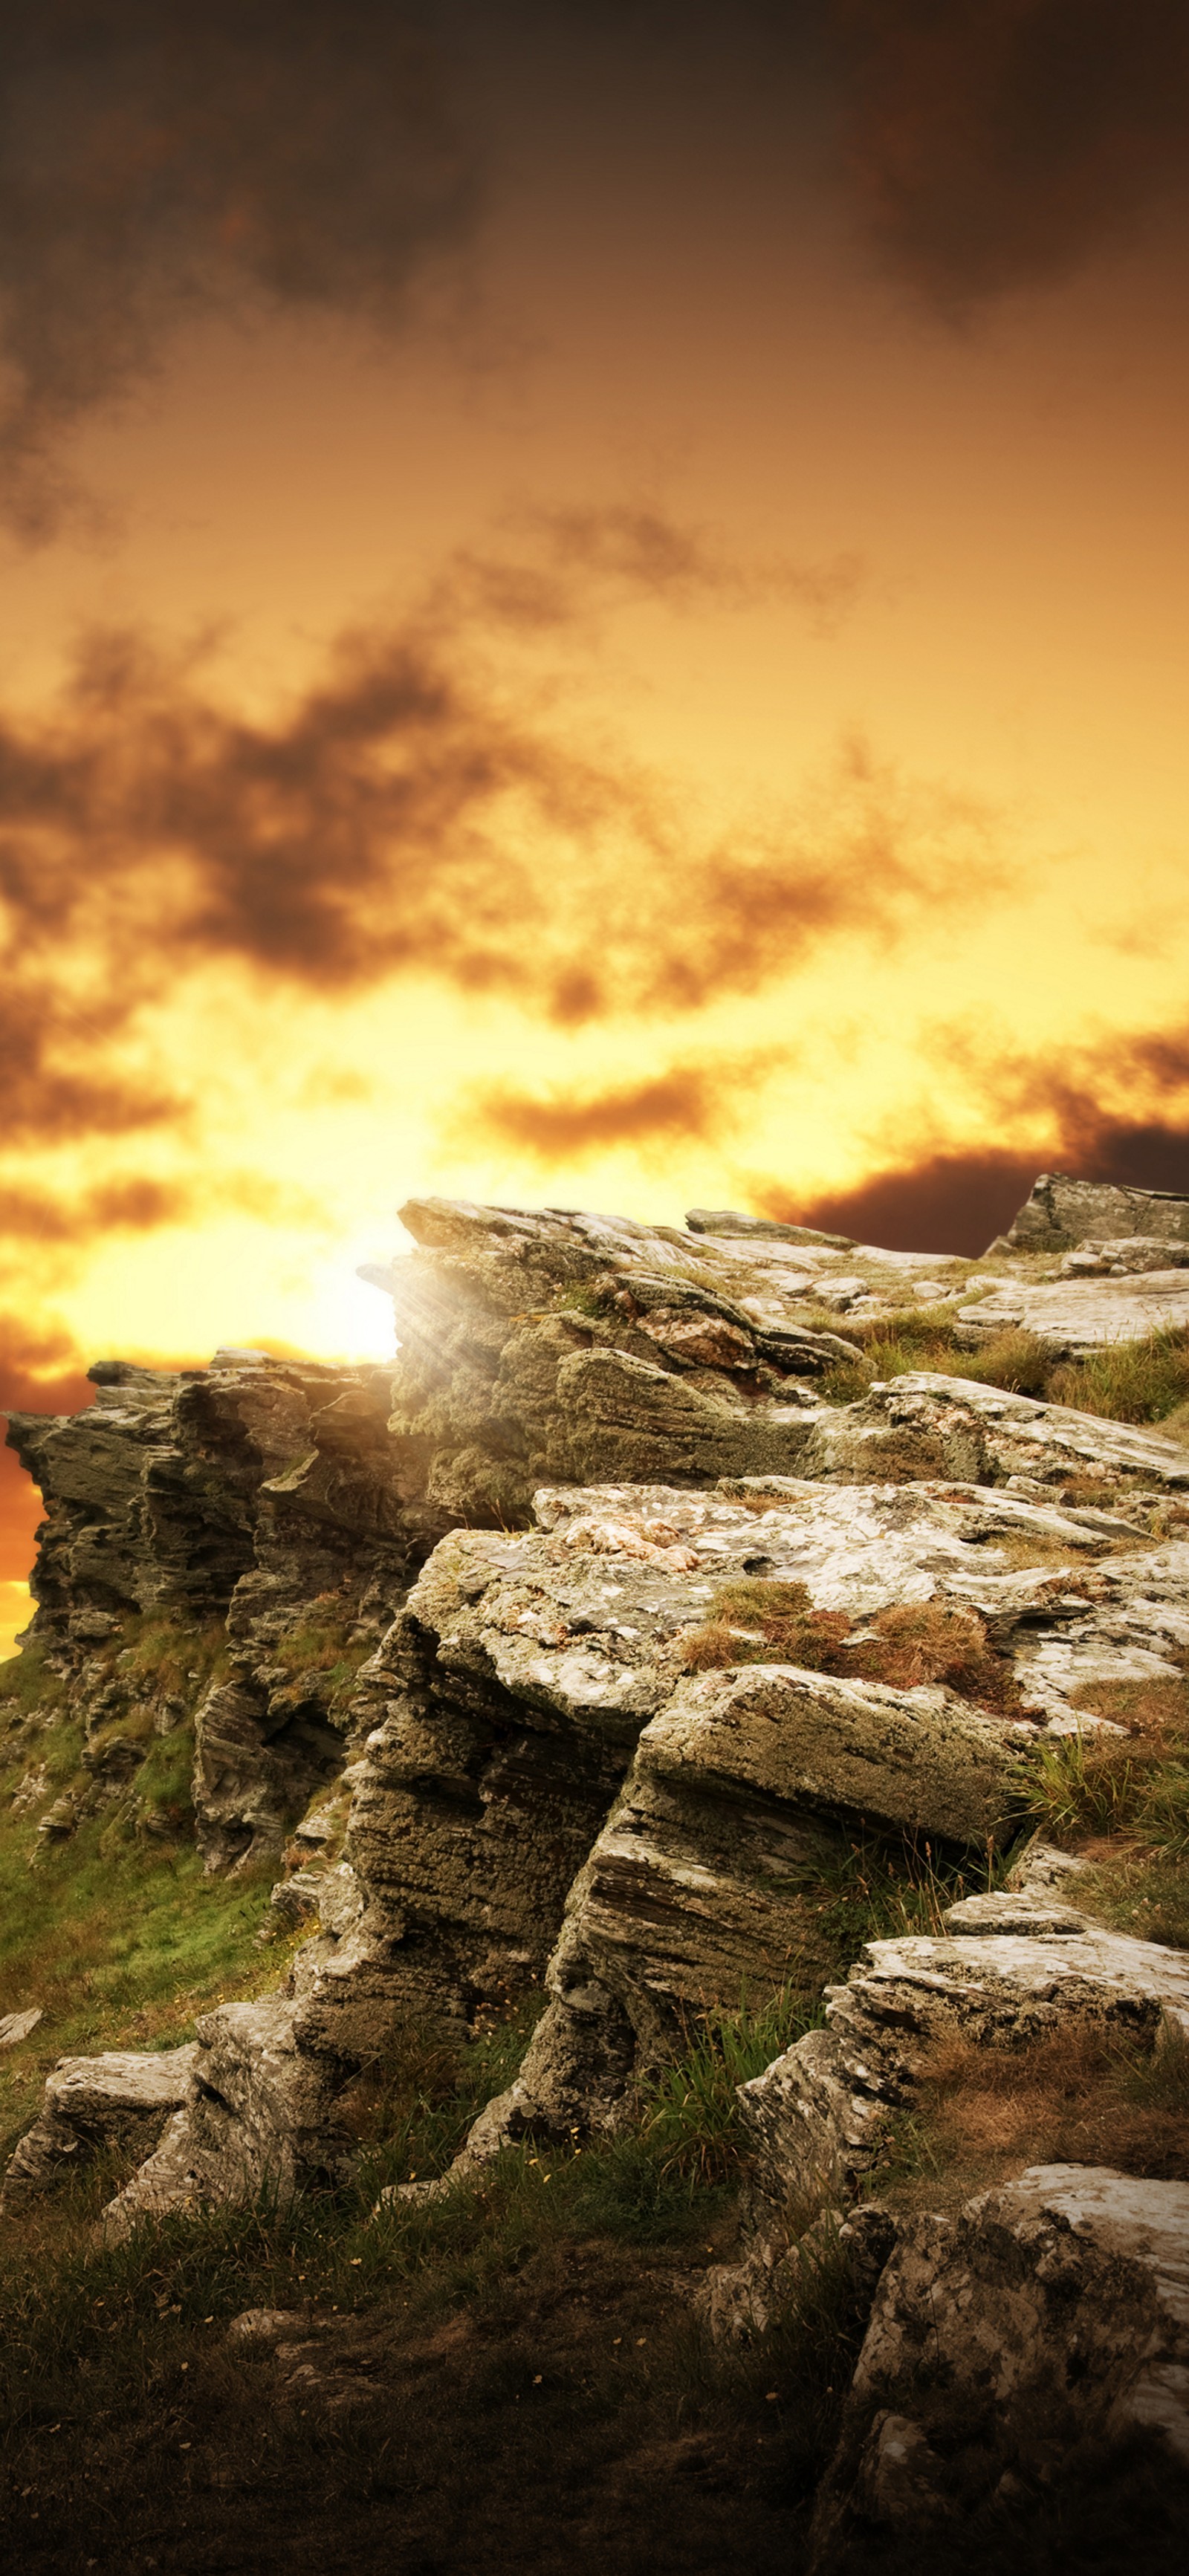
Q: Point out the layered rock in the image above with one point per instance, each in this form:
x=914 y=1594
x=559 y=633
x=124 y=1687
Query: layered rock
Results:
x=610 y=1751
x=586 y=1766
x=818 y=2116
x=256 y=1493
x=120 y=2101
x=553 y=1347
x=1084 y=1314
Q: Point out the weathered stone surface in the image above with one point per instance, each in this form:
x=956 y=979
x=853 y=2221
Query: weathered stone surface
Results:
x=728 y=1221
x=817 y=2115
x=549 y=1346
x=119 y=2100
x=1083 y=1314
x=1060 y=1211
x=17 y=2025
x=1123 y=1258
x=923 y=1425
x=250 y=1492
x=548 y=1791
x=259 y=2113
x=1048 y=2314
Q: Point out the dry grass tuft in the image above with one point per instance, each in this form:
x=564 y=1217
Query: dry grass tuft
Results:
x=983 y=2114
x=757 y=1622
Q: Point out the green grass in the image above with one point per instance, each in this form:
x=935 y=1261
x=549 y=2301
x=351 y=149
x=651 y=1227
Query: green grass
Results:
x=1076 y=1785
x=1146 y=1380
x=113 y=1930
x=663 y=2179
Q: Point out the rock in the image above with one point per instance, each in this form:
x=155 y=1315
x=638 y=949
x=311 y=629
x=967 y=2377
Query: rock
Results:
x=16 y=2026
x=266 y=2326
x=259 y=2115
x=1048 y=2316
x=817 y=2116
x=258 y=1491
x=1061 y=1211
x=923 y=1425
x=297 y=1897
x=118 y=2100
x=1083 y=1314
x=1126 y=1257
x=727 y=1221
x=548 y=1346
x=548 y=1791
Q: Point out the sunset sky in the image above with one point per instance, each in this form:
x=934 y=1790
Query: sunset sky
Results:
x=594 y=611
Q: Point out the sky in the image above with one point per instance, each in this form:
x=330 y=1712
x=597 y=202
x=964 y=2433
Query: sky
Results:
x=592 y=611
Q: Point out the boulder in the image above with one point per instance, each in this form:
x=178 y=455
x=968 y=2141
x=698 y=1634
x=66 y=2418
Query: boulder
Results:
x=924 y=1425
x=817 y=2117
x=1045 y=2319
x=121 y=2100
x=1061 y=1211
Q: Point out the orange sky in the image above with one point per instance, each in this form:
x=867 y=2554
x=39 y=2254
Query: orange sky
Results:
x=593 y=611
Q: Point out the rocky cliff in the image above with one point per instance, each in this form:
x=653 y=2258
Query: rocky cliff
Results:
x=607 y=1624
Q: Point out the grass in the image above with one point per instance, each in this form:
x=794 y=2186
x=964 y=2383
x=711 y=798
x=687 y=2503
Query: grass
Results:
x=528 y=2369
x=1146 y=1380
x=113 y=1930
x=754 y=1621
x=983 y=2114
x=1123 y=1802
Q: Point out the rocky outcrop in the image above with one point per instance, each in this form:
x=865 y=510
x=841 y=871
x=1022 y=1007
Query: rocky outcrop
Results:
x=119 y=2101
x=1043 y=2324
x=1060 y=1211
x=924 y=1424
x=552 y=1347
x=615 y=1753
x=257 y=1495
x=818 y=2116
x=609 y=1751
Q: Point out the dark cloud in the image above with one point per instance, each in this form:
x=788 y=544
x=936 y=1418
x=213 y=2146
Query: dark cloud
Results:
x=953 y=1202
x=993 y=144
x=1100 y=1117
x=685 y=1103
x=161 y=163
x=399 y=817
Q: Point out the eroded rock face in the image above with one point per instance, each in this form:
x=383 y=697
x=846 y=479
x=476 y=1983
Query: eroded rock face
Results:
x=1049 y=2316
x=549 y=1347
x=575 y=1770
x=1060 y=1211
x=924 y=1424
x=258 y=1493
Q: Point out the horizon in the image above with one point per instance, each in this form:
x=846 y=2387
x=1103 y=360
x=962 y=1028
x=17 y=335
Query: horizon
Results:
x=594 y=613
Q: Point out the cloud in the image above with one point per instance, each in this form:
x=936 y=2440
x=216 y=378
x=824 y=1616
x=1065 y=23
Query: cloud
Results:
x=994 y=144
x=1105 y=1112
x=402 y=816
x=135 y=1205
x=566 y=563
x=684 y=1103
x=157 y=165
